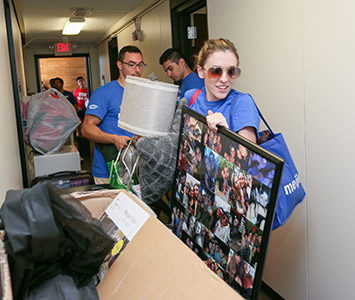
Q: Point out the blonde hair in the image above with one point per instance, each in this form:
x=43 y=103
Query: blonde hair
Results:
x=211 y=46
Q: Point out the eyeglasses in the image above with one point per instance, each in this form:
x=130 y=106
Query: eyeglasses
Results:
x=216 y=72
x=133 y=65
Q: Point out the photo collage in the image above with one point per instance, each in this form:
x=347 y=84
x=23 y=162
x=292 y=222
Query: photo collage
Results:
x=220 y=202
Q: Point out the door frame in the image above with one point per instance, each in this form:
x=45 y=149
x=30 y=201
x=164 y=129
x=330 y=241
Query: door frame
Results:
x=180 y=11
x=16 y=95
x=113 y=57
x=87 y=65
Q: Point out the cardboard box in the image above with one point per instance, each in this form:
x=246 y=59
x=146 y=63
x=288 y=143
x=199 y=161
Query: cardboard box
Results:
x=157 y=265
x=66 y=159
x=98 y=201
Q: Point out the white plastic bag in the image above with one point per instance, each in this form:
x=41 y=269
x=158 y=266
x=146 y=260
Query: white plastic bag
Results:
x=51 y=118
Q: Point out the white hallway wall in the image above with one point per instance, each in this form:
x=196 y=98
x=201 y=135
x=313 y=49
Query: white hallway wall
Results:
x=10 y=175
x=298 y=62
x=156 y=33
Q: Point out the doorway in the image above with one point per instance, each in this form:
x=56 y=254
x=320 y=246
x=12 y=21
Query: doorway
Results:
x=113 y=57
x=67 y=68
x=189 y=26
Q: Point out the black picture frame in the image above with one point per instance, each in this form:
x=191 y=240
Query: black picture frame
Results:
x=223 y=201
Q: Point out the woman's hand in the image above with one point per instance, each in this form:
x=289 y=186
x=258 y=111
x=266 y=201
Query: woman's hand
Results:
x=216 y=119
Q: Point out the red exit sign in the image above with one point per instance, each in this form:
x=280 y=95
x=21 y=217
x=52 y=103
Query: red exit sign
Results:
x=62 y=49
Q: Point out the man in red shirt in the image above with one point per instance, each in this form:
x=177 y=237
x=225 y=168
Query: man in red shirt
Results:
x=82 y=96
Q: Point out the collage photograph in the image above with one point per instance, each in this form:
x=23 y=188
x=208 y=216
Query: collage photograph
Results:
x=220 y=202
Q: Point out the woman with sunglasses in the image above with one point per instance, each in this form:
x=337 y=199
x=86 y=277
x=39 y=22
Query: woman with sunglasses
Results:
x=217 y=64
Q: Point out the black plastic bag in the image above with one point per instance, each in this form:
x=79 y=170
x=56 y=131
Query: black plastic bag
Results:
x=62 y=287
x=49 y=233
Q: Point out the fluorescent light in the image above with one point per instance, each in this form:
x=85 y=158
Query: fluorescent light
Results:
x=73 y=26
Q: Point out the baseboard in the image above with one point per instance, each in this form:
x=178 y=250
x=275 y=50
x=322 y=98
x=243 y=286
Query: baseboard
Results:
x=270 y=292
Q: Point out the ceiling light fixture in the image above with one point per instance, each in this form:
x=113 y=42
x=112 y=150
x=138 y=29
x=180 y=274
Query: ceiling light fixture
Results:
x=73 y=26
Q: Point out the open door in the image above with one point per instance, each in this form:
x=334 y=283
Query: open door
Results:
x=189 y=26
x=113 y=56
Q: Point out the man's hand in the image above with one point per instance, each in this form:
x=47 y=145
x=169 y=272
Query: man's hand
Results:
x=91 y=131
x=119 y=141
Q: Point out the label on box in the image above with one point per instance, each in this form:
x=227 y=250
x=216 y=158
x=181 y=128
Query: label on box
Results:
x=127 y=215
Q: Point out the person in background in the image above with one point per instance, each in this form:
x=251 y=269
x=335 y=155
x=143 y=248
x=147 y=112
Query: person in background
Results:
x=217 y=64
x=82 y=97
x=175 y=65
x=43 y=87
x=51 y=83
x=59 y=85
x=101 y=117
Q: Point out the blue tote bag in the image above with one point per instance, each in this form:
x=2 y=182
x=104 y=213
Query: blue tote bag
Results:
x=291 y=190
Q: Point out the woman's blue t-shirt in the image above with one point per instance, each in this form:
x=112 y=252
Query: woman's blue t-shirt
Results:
x=238 y=108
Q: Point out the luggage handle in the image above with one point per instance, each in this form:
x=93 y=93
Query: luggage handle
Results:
x=63 y=173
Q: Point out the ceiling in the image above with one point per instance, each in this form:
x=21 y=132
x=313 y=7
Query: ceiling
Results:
x=42 y=21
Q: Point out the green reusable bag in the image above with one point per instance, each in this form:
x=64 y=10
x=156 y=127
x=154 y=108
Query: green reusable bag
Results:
x=115 y=180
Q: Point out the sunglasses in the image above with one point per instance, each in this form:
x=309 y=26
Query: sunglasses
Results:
x=216 y=72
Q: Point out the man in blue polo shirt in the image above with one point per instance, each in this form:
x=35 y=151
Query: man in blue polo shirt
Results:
x=101 y=117
x=175 y=65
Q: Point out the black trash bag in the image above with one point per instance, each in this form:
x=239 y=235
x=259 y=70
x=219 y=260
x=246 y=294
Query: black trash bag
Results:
x=65 y=289
x=49 y=233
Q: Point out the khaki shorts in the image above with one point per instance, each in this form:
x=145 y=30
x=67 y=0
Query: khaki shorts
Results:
x=101 y=180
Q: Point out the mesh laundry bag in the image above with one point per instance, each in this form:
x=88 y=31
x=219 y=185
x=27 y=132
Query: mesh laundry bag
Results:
x=158 y=160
